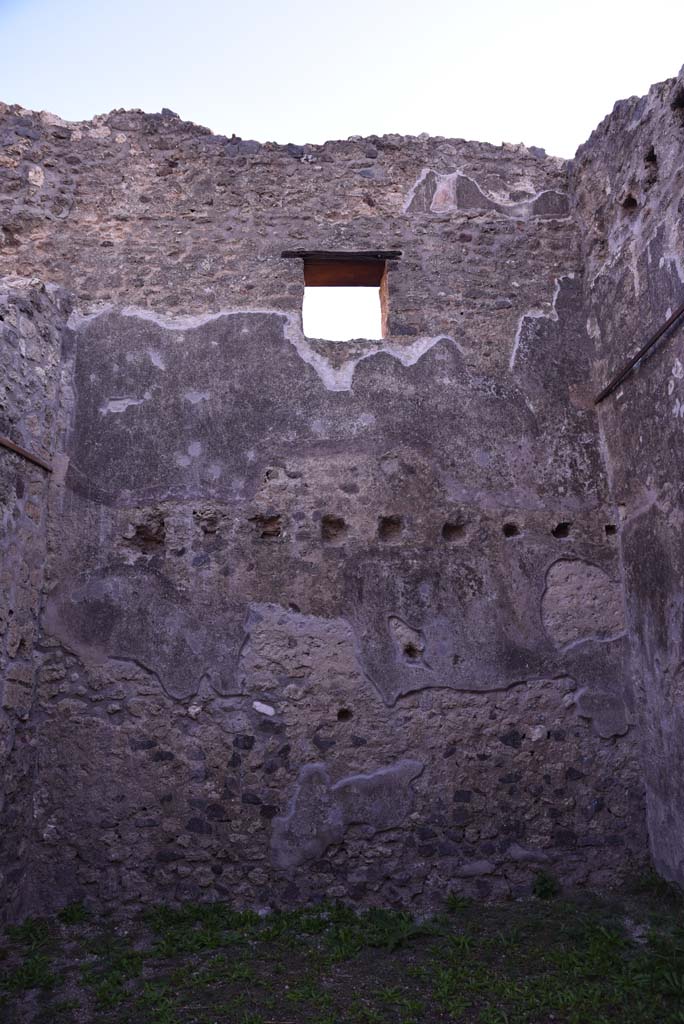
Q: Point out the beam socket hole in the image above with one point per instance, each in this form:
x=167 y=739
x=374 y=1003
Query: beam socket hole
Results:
x=452 y=532
x=561 y=530
x=390 y=528
x=333 y=529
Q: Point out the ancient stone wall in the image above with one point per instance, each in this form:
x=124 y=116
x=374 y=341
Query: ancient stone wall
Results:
x=325 y=618
x=31 y=331
x=629 y=187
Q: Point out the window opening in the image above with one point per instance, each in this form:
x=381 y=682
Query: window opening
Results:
x=345 y=294
x=342 y=314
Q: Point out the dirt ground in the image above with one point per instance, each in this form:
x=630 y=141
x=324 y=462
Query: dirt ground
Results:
x=551 y=959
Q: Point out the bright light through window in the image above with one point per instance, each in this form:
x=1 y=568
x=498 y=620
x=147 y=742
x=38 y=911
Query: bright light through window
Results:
x=342 y=314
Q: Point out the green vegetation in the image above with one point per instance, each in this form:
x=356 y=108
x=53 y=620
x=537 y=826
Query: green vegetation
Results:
x=569 y=961
x=545 y=886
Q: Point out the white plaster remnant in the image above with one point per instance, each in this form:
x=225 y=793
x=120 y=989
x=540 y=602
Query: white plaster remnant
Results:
x=593 y=329
x=121 y=404
x=263 y=709
x=340 y=378
x=414 y=188
x=156 y=359
x=50 y=833
x=195 y=397
x=538 y=314
x=677 y=374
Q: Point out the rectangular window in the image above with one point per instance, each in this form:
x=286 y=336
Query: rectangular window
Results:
x=345 y=294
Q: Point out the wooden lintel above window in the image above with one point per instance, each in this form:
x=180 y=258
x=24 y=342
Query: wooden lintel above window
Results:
x=326 y=269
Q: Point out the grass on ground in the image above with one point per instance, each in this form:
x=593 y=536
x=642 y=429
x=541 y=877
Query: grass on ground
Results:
x=548 y=960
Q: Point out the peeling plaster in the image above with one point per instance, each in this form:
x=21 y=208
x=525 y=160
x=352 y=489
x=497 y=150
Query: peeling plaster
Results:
x=333 y=377
x=538 y=314
x=445 y=197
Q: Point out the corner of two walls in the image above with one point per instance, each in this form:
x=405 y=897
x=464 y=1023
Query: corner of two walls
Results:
x=628 y=188
x=32 y=319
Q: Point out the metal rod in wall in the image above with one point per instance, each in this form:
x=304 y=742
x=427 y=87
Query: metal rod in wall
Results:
x=618 y=379
x=18 y=450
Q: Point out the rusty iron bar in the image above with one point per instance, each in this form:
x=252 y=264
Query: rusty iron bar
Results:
x=18 y=450
x=618 y=378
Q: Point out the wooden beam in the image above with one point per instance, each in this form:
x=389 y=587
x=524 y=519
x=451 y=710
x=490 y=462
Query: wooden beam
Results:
x=332 y=254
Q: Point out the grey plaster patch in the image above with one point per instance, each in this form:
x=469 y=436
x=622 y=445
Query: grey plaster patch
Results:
x=525 y=855
x=196 y=396
x=320 y=813
x=607 y=712
x=136 y=614
x=476 y=869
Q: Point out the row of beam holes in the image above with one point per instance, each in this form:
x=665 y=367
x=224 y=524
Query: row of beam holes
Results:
x=390 y=528
x=560 y=531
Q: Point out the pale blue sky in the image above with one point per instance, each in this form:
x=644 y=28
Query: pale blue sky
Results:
x=535 y=71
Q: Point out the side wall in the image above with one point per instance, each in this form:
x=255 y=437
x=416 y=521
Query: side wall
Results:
x=31 y=327
x=629 y=190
